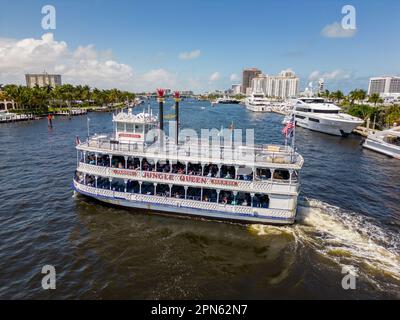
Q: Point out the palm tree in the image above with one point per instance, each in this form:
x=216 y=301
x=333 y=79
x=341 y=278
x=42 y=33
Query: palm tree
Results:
x=375 y=98
x=357 y=95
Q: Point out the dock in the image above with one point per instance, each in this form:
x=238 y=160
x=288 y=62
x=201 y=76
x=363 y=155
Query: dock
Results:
x=364 y=131
x=10 y=117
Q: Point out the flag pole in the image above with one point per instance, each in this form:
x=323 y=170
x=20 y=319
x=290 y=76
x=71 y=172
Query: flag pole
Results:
x=294 y=135
x=88 y=132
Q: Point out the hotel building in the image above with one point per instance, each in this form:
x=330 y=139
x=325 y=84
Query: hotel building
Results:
x=248 y=76
x=43 y=80
x=384 y=85
x=285 y=85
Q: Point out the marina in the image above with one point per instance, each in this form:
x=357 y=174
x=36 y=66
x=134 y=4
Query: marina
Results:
x=175 y=255
x=197 y=160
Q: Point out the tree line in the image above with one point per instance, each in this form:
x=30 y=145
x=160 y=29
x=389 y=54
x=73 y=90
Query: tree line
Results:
x=40 y=99
x=354 y=103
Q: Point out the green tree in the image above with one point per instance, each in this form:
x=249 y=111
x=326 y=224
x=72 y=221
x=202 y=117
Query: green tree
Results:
x=375 y=98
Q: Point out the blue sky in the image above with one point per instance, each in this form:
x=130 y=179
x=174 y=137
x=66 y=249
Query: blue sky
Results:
x=145 y=40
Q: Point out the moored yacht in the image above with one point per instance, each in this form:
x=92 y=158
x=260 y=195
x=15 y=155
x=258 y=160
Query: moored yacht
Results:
x=227 y=100
x=386 y=142
x=318 y=115
x=134 y=168
x=258 y=102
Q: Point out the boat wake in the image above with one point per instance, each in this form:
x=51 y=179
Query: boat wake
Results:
x=351 y=240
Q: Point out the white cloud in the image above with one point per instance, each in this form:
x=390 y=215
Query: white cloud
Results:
x=189 y=55
x=85 y=64
x=160 y=78
x=215 y=76
x=82 y=65
x=234 y=77
x=337 y=74
x=22 y=54
x=335 y=30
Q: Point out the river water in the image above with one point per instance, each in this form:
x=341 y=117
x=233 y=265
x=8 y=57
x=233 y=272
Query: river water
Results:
x=349 y=219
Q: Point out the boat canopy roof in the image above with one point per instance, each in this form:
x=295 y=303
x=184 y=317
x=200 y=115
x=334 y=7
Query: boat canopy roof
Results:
x=316 y=104
x=143 y=118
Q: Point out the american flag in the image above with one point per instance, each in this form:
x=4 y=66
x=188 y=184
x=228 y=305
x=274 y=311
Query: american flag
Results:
x=287 y=131
x=77 y=141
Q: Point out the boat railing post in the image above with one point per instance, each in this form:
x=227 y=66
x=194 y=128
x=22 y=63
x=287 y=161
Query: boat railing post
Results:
x=252 y=195
x=290 y=178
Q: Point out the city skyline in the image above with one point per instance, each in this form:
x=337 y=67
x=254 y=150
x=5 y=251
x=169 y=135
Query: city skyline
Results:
x=139 y=46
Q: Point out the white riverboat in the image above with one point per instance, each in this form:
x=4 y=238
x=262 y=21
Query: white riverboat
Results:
x=254 y=184
x=258 y=102
x=318 y=115
x=386 y=142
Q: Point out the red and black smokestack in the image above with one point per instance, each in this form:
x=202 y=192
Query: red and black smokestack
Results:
x=177 y=97
x=160 y=94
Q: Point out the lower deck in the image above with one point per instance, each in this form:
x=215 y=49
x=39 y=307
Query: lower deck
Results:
x=189 y=207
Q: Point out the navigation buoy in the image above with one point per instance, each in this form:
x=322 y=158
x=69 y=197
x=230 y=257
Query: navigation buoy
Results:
x=50 y=120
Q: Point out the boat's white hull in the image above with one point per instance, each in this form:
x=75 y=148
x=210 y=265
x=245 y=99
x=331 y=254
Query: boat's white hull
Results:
x=286 y=218
x=337 y=128
x=258 y=108
x=382 y=147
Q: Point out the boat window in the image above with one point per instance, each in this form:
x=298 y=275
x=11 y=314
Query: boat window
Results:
x=120 y=126
x=139 y=128
x=281 y=175
x=263 y=174
x=129 y=127
x=300 y=117
x=303 y=109
x=392 y=140
x=327 y=111
x=314 y=120
x=313 y=100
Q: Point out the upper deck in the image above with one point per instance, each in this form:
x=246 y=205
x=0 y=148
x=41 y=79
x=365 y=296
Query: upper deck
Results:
x=260 y=156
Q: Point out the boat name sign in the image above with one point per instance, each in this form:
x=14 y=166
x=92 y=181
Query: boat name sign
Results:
x=170 y=177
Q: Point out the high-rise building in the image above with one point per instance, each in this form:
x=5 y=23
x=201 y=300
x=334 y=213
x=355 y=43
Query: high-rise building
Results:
x=285 y=85
x=248 y=75
x=43 y=80
x=236 y=89
x=321 y=86
x=384 y=85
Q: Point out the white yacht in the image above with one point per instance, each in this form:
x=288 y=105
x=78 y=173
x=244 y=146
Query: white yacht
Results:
x=258 y=102
x=318 y=115
x=386 y=142
x=227 y=100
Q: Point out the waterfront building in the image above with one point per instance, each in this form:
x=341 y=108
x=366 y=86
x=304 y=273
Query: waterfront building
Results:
x=384 y=85
x=285 y=85
x=248 y=76
x=43 y=80
x=236 y=89
x=187 y=93
x=6 y=105
x=321 y=86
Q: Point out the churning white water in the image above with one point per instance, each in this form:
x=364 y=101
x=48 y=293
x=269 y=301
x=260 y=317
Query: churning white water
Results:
x=346 y=238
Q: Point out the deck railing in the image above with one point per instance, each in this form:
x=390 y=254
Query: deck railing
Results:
x=265 y=186
x=274 y=156
x=194 y=204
